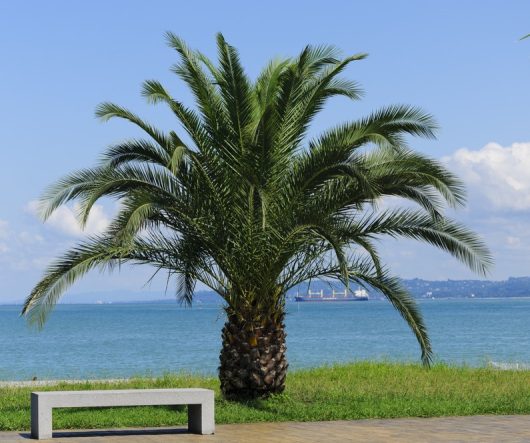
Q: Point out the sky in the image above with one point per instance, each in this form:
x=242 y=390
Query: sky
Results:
x=462 y=61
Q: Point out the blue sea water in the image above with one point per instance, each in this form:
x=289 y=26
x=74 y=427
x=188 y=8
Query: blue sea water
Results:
x=122 y=340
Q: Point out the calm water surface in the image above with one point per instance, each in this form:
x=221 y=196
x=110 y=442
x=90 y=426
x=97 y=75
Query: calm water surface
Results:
x=99 y=341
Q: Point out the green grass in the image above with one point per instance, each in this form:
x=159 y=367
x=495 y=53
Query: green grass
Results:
x=353 y=391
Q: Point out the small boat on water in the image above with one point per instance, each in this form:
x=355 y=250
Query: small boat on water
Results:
x=319 y=296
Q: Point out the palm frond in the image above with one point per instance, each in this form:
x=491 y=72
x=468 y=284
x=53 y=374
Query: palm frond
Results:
x=135 y=151
x=392 y=289
x=443 y=233
x=98 y=252
x=106 y=111
x=235 y=90
x=249 y=205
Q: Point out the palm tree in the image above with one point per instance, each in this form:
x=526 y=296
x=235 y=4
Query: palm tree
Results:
x=248 y=204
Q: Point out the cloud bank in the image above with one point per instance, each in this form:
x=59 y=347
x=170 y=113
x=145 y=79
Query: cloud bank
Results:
x=498 y=175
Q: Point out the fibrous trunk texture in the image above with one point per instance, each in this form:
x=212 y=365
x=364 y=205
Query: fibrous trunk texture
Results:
x=253 y=360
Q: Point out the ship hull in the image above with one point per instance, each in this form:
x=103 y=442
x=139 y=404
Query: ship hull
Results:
x=328 y=299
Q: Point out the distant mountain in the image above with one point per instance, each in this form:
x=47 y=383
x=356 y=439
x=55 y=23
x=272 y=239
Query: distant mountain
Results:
x=137 y=297
x=198 y=297
x=513 y=287
x=419 y=288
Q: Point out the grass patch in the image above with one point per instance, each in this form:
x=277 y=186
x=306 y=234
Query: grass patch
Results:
x=340 y=392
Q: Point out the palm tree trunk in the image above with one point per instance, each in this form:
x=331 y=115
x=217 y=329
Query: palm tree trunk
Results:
x=253 y=360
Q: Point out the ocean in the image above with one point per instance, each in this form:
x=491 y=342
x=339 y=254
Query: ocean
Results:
x=149 y=339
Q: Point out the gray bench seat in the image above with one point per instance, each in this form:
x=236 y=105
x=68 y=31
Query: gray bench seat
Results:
x=200 y=403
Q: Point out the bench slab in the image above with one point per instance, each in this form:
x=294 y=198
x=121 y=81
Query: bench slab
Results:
x=200 y=405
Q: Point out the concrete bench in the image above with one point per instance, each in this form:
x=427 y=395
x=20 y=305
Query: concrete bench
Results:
x=200 y=403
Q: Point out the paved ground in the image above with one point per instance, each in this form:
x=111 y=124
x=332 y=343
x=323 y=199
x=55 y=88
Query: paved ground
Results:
x=508 y=428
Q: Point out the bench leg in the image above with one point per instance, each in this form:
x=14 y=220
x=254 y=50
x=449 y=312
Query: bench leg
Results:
x=201 y=418
x=41 y=419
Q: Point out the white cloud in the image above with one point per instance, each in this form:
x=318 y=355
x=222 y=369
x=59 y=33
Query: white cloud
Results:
x=29 y=238
x=21 y=250
x=513 y=242
x=4 y=235
x=498 y=173
x=4 y=226
x=29 y=264
x=64 y=220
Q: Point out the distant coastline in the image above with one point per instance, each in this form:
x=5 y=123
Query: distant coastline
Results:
x=513 y=287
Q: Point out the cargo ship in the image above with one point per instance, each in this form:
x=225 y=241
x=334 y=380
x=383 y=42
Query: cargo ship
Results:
x=319 y=296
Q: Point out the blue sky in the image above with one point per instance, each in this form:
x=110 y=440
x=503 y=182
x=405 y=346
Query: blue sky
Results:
x=459 y=60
